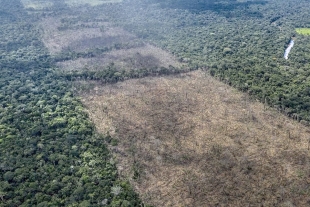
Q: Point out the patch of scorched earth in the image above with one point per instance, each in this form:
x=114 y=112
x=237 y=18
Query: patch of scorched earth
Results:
x=190 y=140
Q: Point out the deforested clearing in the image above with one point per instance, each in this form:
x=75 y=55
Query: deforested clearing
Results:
x=59 y=37
x=120 y=47
x=190 y=140
x=303 y=31
x=40 y=4
x=144 y=56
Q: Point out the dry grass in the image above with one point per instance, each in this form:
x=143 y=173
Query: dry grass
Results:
x=79 y=39
x=37 y=4
x=138 y=54
x=193 y=141
x=90 y=2
x=41 y=4
x=56 y=40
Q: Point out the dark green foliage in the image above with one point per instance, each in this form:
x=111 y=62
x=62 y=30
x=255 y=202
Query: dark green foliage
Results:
x=110 y=74
x=221 y=7
x=50 y=154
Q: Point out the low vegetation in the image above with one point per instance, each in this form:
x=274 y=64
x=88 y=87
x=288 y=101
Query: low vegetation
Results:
x=90 y=2
x=303 y=31
x=48 y=4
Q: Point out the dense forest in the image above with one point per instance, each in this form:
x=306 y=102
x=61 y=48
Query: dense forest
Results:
x=50 y=151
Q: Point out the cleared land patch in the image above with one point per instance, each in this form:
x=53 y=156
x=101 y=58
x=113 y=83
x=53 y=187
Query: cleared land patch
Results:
x=58 y=37
x=90 y=2
x=303 y=31
x=85 y=46
x=37 y=4
x=41 y=4
x=145 y=56
x=190 y=140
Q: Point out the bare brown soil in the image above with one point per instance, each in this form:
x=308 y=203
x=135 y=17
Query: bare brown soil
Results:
x=193 y=141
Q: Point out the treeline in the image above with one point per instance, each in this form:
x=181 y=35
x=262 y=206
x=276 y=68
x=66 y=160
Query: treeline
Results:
x=112 y=74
